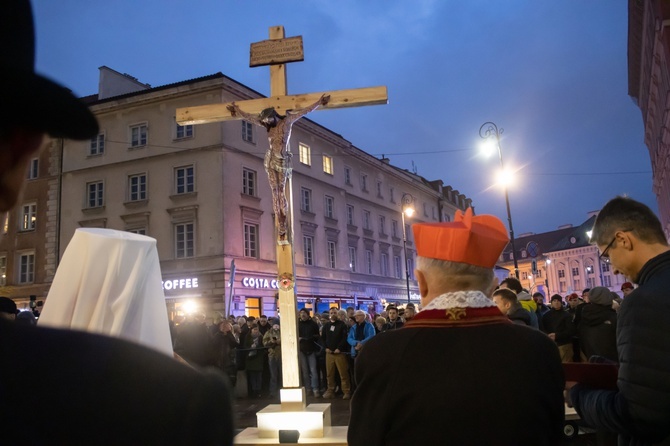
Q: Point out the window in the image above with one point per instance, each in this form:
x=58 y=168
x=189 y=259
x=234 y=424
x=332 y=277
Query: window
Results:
x=562 y=287
x=137 y=187
x=251 y=240
x=410 y=267
x=577 y=285
x=383 y=263
x=28 y=216
x=394 y=228
x=138 y=135
x=350 y=215
x=140 y=231
x=575 y=271
x=539 y=273
x=184 y=179
x=95 y=193
x=397 y=268
x=308 y=249
x=605 y=267
x=379 y=189
x=425 y=210
x=184 y=240
x=97 y=146
x=368 y=261
x=184 y=131
x=607 y=281
x=252 y=306
x=247 y=131
x=524 y=275
x=347 y=175
x=352 y=258
x=331 y=254
x=382 y=224
x=408 y=232
x=328 y=164
x=590 y=282
x=249 y=182
x=306 y=199
x=392 y=194
x=561 y=273
x=3 y=270
x=27 y=268
x=305 y=154
x=366 y=220
x=364 y=182
x=330 y=207
x=34 y=169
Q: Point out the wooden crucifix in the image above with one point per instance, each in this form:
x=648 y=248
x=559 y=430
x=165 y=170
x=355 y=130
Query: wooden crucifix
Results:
x=277 y=114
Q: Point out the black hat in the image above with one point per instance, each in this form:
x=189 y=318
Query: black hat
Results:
x=556 y=297
x=28 y=99
x=7 y=305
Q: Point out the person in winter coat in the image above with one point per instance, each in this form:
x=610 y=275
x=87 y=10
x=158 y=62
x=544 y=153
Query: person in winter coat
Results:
x=255 y=357
x=524 y=299
x=597 y=327
x=557 y=323
x=225 y=348
x=360 y=333
x=272 y=340
x=308 y=334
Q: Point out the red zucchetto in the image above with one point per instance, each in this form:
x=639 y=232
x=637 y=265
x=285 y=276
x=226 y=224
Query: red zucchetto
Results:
x=472 y=239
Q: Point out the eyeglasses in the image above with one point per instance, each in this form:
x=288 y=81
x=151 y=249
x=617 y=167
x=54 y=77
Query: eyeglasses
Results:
x=605 y=257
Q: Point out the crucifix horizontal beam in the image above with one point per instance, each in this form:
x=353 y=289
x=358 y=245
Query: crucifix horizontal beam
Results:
x=356 y=97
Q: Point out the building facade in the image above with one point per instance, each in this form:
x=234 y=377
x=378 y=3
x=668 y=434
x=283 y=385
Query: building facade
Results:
x=649 y=86
x=202 y=193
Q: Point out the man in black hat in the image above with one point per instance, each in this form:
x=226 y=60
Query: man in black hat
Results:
x=91 y=389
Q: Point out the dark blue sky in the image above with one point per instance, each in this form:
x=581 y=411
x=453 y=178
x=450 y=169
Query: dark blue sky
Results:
x=552 y=74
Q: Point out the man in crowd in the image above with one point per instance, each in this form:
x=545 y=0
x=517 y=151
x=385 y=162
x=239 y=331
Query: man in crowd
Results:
x=523 y=297
x=334 y=334
x=630 y=237
x=393 y=319
x=360 y=333
x=308 y=334
x=95 y=389
x=272 y=340
x=410 y=311
x=482 y=380
x=626 y=288
x=542 y=308
x=508 y=305
x=557 y=323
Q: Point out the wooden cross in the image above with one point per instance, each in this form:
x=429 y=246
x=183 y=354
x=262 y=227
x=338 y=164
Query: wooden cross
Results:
x=276 y=52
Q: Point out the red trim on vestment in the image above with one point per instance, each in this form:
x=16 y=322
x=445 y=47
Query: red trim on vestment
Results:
x=458 y=317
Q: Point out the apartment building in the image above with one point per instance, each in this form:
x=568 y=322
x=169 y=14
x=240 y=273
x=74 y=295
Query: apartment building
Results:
x=202 y=193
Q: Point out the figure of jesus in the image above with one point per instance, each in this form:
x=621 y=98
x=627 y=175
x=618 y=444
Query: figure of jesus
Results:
x=278 y=157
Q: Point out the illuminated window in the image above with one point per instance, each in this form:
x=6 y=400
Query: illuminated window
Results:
x=305 y=154
x=28 y=216
x=328 y=164
x=252 y=306
x=95 y=194
x=184 y=240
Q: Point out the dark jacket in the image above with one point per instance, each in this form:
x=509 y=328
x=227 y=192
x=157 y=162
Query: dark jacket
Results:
x=334 y=335
x=194 y=344
x=519 y=315
x=559 y=322
x=393 y=325
x=597 y=331
x=92 y=389
x=639 y=411
x=225 y=349
x=308 y=332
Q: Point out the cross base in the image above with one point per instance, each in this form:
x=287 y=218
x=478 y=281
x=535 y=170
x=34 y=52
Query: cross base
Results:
x=293 y=414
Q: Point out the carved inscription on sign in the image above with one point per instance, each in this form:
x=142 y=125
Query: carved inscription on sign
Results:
x=276 y=51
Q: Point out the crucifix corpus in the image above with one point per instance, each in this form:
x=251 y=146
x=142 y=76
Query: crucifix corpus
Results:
x=277 y=114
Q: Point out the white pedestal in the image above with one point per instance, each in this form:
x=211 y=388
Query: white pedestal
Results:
x=311 y=422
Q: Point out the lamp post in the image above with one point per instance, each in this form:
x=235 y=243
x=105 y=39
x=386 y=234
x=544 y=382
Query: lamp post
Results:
x=408 y=210
x=486 y=131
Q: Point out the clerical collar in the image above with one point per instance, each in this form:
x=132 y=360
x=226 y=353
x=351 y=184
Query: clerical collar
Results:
x=460 y=299
x=460 y=308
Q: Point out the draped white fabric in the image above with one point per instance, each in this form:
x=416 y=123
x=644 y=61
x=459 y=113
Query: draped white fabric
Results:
x=109 y=282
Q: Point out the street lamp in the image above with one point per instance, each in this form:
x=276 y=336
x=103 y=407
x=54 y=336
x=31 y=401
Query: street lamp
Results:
x=407 y=209
x=486 y=131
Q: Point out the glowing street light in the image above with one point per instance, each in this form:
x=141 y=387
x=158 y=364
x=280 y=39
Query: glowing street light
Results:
x=488 y=131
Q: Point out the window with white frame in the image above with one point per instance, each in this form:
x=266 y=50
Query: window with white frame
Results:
x=3 y=270
x=184 y=179
x=368 y=261
x=95 y=194
x=28 y=217
x=392 y=194
x=137 y=187
x=607 y=281
x=382 y=224
x=308 y=249
x=27 y=267
x=306 y=199
x=249 y=182
x=397 y=267
x=379 y=189
x=394 y=228
x=350 y=214
x=251 y=240
x=97 y=145
x=605 y=267
x=384 y=264
x=410 y=267
x=575 y=271
x=330 y=207
x=328 y=164
x=332 y=251
x=184 y=131
x=247 y=131
x=305 y=154
x=138 y=135
x=364 y=182
x=347 y=175
x=561 y=273
x=352 y=258
x=184 y=240
x=34 y=168
x=366 y=220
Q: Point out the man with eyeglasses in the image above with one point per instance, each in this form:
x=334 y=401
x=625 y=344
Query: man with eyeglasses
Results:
x=631 y=238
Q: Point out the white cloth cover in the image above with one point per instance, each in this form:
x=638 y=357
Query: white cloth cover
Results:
x=109 y=282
